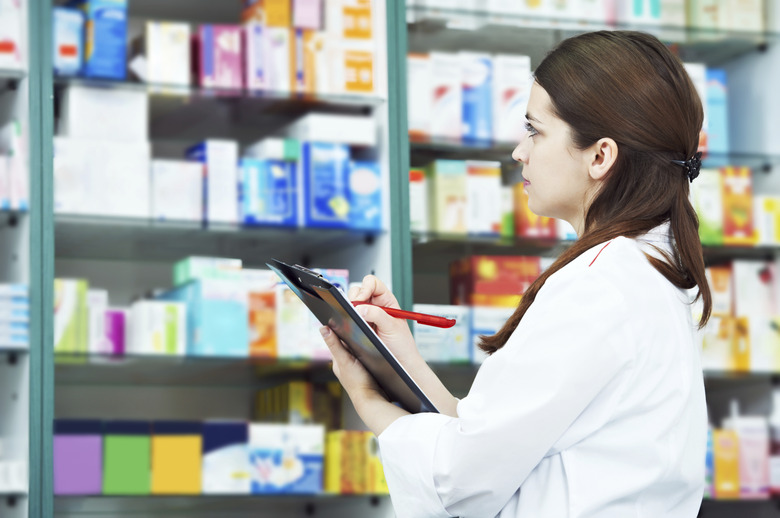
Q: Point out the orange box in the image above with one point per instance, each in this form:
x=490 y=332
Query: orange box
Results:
x=278 y=13
x=497 y=281
x=528 y=224
x=738 y=206
x=177 y=450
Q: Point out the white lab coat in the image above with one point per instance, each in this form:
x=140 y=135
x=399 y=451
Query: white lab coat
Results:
x=594 y=408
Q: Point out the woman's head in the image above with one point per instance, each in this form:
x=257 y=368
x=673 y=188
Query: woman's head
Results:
x=612 y=110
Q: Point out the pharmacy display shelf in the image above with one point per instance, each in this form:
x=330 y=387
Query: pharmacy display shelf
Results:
x=712 y=508
x=324 y=505
x=9 y=78
x=202 y=371
x=453 y=29
x=135 y=239
x=173 y=108
x=424 y=151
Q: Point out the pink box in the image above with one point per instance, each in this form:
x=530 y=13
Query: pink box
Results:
x=218 y=56
x=307 y=14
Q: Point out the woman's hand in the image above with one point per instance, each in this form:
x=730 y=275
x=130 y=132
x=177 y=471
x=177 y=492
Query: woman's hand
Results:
x=370 y=402
x=393 y=332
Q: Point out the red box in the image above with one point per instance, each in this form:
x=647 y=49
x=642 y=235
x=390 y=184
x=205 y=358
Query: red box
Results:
x=492 y=280
x=528 y=224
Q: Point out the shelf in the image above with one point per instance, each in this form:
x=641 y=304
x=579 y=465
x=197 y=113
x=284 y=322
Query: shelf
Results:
x=9 y=78
x=221 y=505
x=730 y=508
x=424 y=151
x=96 y=237
x=451 y=29
x=183 y=112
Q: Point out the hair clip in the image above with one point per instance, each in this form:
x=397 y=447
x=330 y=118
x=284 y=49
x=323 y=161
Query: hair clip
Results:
x=692 y=165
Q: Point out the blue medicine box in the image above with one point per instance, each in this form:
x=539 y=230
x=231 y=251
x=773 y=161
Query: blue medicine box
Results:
x=324 y=184
x=268 y=193
x=365 y=196
x=105 y=37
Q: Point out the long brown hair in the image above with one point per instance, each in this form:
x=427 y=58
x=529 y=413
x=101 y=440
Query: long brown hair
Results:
x=628 y=86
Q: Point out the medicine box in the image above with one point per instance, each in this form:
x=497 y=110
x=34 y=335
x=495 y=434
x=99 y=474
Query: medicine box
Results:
x=483 y=189
x=447 y=193
x=70 y=316
x=220 y=158
x=296 y=328
x=127 y=456
x=737 y=206
x=279 y=59
x=512 y=82
x=11 y=45
x=419 y=95
x=290 y=403
x=253 y=43
x=450 y=345
x=498 y=281
x=177 y=455
x=307 y=14
x=78 y=457
x=286 y=458
x=718 y=112
x=217 y=56
x=97 y=304
x=274 y=148
x=528 y=223
x=104 y=114
x=353 y=130
x=106 y=37
x=477 y=77
x=707 y=200
x=364 y=193
x=485 y=321
x=349 y=19
x=67 y=40
x=197 y=267
x=325 y=188
x=766 y=217
x=158 y=328
x=261 y=300
x=269 y=192
x=177 y=190
x=216 y=313
x=446 y=88
x=226 y=468
x=418 y=201
x=165 y=47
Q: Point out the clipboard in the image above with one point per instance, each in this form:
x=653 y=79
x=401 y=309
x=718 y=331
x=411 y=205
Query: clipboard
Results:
x=333 y=309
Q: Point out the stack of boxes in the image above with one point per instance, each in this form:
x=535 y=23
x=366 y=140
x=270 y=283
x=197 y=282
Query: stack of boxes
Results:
x=301 y=46
x=14 y=316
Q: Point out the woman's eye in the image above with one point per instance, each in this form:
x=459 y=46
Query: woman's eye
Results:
x=530 y=129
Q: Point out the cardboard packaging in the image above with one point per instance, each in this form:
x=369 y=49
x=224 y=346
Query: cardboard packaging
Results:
x=158 y=328
x=177 y=460
x=325 y=189
x=527 y=223
x=353 y=130
x=704 y=14
x=447 y=191
x=164 y=51
x=101 y=177
x=196 y=267
x=279 y=59
x=70 y=316
x=226 y=468
x=11 y=53
x=738 y=206
x=707 y=200
x=106 y=37
x=14 y=175
x=97 y=305
x=217 y=56
x=477 y=78
x=718 y=113
x=419 y=95
x=261 y=299
x=766 y=217
x=485 y=321
x=483 y=188
x=726 y=452
x=418 y=201
x=127 y=456
x=68 y=41
x=497 y=281
x=274 y=148
x=220 y=158
x=512 y=82
x=450 y=345
x=447 y=103
x=269 y=192
x=78 y=457
x=286 y=458
x=307 y=14
x=176 y=190
x=365 y=196
x=698 y=73
x=296 y=329
x=253 y=48
x=289 y=403
x=104 y=114
x=216 y=312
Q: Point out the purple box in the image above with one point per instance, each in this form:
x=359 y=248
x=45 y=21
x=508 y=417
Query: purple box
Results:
x=78 y=457
x=218 y=56
x=116 y=321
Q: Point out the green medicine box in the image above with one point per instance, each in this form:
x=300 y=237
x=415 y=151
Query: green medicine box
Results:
x=127 y=458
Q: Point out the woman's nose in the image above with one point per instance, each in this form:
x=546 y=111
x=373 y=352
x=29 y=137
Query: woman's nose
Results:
x=520 y=153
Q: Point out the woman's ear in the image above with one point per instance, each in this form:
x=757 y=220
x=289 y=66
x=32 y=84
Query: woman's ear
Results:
x=601 y=157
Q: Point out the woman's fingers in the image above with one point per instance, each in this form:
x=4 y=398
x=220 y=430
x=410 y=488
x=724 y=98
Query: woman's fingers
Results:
x=374 y=291
x=337 y=349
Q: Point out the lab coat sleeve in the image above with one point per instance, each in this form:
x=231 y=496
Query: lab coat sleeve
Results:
x=571 y=347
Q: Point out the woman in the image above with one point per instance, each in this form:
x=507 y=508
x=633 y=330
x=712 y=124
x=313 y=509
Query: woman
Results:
x=591 y=403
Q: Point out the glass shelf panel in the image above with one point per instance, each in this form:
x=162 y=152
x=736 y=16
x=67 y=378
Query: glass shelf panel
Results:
x=451 y=29
x=109 y=238
x=9 y=78
x=207 y=505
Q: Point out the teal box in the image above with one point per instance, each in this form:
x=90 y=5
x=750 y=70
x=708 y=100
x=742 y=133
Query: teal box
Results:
x=105 y=37
x=718 y=115
x=365 y=196
x=217 y=312
x=268 y=193
x=325 y=175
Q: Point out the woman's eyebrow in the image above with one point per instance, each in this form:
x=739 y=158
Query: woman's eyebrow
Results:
x=532 y=118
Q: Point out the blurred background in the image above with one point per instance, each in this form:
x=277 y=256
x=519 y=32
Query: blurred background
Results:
x=155 y=154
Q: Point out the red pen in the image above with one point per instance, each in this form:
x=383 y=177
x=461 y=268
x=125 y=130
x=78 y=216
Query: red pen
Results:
x=421 y=318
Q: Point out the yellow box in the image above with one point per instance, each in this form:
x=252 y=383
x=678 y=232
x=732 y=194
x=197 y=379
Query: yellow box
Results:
x=725 y=446
x=176 y=464
x=350 y=19
x=345 y=462
x=287 y=403
x=738 y=206
x=376 y=484
x=278 y=13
